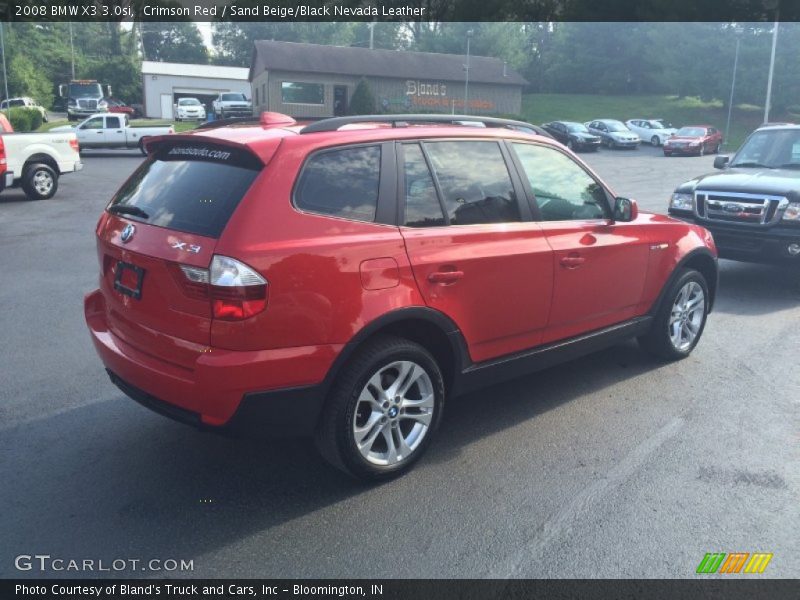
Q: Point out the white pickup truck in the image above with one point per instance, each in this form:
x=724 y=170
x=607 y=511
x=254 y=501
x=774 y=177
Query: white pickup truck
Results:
x=36 y=160
x=108 y=130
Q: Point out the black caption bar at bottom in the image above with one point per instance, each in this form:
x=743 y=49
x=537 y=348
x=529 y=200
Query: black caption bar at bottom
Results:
x=389 y=589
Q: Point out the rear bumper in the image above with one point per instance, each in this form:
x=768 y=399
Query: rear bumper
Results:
x=751 y=245
x=274 y=392
x=7 y=180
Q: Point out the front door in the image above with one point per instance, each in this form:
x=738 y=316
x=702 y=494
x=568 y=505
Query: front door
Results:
x=91 y=133
x=476 y=255
x=339 y=100
x=600 y=265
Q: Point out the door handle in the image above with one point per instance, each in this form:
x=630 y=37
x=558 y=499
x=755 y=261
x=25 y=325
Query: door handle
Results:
x=445 y=277
x=572 y=261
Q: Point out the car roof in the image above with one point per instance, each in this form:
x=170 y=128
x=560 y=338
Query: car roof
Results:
x=262 y=140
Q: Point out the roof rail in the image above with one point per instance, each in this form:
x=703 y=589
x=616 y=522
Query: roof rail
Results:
x=335 y=123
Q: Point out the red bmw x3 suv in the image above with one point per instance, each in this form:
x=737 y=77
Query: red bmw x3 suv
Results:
x=342 y=279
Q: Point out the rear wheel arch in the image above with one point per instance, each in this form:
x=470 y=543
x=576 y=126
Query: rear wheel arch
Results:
x=429 y=328
x=41 y=158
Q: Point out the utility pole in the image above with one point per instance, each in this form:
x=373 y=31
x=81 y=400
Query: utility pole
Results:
x=771 y=69
x=371 y=35
x=466 y=77
x=72 y=49
x=738 y=33
x=3 y=50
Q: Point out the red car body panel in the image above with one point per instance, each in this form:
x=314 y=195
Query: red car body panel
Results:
x=711 y=140
x=507 y=287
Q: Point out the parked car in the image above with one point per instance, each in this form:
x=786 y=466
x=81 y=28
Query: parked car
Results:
x=614 y=134
x=654 y=131
x=119 y=107
x=113 y=131
x=391 y=269
x=753 y=205
x=24 y=102
x=694 y=139
x=574 y=136
x=35 y=161
x=190 y=109
x=232 y=104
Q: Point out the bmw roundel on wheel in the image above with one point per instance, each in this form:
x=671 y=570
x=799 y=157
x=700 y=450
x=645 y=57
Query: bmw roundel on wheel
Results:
x=349 y=282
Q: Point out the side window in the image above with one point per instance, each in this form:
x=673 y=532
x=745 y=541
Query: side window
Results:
x=475 y=183
x=422 y=202
x=563 y=190
x=341 y=183
x=95 y=123
x=112 y=123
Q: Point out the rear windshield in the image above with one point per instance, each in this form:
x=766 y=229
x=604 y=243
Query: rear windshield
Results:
x=192 y=188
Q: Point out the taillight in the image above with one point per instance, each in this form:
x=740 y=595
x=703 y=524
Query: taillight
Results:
x=74 y=145
x=236 y=291
x=3 y=162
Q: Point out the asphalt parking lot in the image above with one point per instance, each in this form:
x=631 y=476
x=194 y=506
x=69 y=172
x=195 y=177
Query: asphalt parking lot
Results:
x=613 y=465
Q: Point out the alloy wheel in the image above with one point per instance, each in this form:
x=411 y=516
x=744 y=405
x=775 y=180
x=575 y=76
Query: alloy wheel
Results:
x=686 y=316
x=42 y=182
x=393 y=413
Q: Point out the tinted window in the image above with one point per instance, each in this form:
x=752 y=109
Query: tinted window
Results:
x=563 y=190
x=191 y=188
x=342 y=183
x=112 y=122
x=422 y=202
x=474 y=181
x=295 y=92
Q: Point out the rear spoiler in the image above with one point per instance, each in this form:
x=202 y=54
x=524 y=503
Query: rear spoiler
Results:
x=154 y=144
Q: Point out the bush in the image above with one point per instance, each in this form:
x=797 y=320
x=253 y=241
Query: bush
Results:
x=363 y=101
x=25 y=119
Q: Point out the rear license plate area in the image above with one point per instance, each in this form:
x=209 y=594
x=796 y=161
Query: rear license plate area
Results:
x=128 y=279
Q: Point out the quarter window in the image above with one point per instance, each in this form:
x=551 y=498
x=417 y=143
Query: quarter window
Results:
x=563 y=190
x=341 y=183
x=295 y=92
x=474 y=182
x=422 y=202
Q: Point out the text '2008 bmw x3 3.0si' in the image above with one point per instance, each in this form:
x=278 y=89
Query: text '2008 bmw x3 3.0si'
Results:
x=341 y=280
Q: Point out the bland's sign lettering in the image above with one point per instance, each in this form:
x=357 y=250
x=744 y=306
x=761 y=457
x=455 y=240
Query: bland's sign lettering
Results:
x=420 y=88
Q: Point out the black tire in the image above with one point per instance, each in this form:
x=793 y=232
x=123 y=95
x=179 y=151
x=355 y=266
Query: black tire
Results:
x=570 y=145
x=702 y=151
x=335 y=435
x=610 y=144
x=655 y=141
x=657 y=341
x=141 y=146
x=39 y=181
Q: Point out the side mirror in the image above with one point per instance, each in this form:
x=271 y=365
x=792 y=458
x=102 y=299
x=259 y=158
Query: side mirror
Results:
x=61 y=89
x=625 y=210
x=721 y=162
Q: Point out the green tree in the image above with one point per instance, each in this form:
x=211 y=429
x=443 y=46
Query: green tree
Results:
x=24 y=79
x=176 y=41
x=363 y=100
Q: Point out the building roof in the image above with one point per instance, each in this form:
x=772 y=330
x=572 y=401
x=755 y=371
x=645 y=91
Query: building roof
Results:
x=316 y=58
x=150 y=67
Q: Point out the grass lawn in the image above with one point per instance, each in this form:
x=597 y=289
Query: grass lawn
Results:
x=541 y=108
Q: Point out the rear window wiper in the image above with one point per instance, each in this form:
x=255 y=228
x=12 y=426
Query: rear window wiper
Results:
x=751 y=164
x=124 y=209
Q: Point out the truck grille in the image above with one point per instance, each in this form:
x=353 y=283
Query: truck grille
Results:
x=760 y=210
x=92 y=104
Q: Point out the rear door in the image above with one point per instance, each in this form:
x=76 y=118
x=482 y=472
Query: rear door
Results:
x=476 y=255
x=600 y=265
x=159 y=229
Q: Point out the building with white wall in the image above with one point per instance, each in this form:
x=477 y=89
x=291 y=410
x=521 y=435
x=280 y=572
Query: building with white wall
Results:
x=164 y=83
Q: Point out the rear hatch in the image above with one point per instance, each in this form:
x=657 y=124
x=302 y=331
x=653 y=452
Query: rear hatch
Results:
x=157 y=238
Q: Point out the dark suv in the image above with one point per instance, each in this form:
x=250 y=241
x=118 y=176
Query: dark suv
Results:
x=343 y=279
x=753 y=206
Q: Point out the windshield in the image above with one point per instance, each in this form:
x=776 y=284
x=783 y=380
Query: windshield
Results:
x=770 y=148
x=615 y=126
x=691 y=131
x=189 y=102
x=577 y=128
x=234 y=98
x=85 y=90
